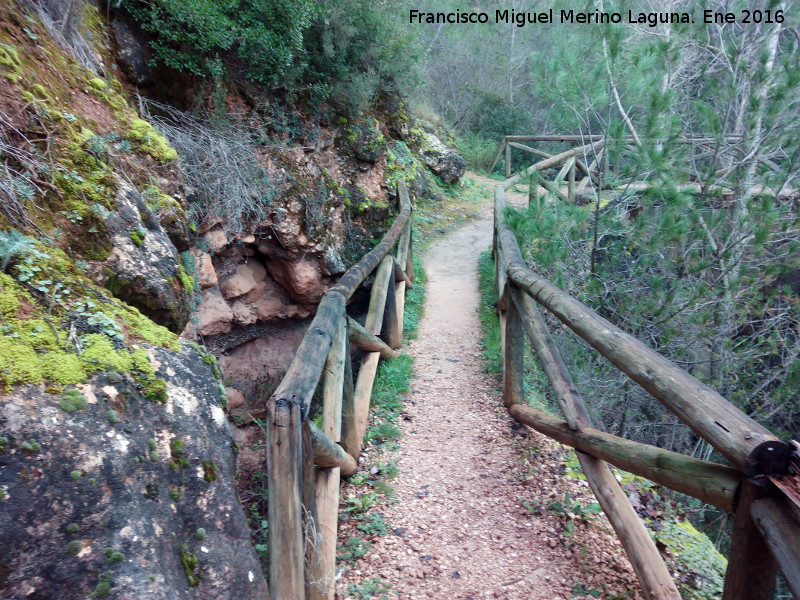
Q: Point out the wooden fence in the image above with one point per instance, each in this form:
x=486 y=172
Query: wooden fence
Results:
x=304 y=499
x=766 y=534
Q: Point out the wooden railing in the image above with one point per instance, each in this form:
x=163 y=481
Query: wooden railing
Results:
x=304 y=500
x=766 y=533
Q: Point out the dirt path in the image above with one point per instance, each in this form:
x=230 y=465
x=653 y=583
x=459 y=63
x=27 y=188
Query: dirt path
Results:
x=460 y=530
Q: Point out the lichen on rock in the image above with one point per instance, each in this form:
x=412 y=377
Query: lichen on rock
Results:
x=58 y=529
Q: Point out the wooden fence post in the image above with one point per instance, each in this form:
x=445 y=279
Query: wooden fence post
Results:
x=752 y=570
x=284 y=455
x=645 y=559
x=369 y=364
x=532 y=190
x=311 y=533
x=778 y=519
x=392 y=327
x=571 y=185
x=349 y=440
x=322 y=568
x=508 y=161
x=513 y=355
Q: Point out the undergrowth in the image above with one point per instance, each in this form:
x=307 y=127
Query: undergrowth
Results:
x=371 y=487
x=415 y=300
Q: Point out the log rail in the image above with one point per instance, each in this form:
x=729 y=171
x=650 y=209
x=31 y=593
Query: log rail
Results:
x=305 y=462
x=767 y=518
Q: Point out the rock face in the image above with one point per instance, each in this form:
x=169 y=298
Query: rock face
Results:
x=247 y=291
x=124 y=497
x=450 y=167
x=143 y=266
x=214 y=316
x=133 y=54
x=367 y=142
x=301 y=278
x=444 y=162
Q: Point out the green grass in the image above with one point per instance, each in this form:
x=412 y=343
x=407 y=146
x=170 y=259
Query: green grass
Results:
x=370 y=588
x=371 y=485
x=487 y=314
x=415 y=301
x=535 y=381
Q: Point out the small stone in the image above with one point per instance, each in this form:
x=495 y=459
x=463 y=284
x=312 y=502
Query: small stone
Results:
x=235 y=398
x=204 y=268
x=215 y=239
x=214 y=315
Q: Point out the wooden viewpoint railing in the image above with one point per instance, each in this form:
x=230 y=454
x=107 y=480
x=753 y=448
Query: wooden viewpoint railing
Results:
x=767 y=518
x=304 y=500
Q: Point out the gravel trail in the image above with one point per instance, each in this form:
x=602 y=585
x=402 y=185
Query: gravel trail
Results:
x=460 y=530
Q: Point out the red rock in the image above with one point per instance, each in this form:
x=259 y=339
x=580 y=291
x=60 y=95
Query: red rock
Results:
x=243 y=314
x=302 y=278
x=215 y=239
x=269 y=307
x=235 y=398
x=214 y=314
x=204 y=268
x=243 y=280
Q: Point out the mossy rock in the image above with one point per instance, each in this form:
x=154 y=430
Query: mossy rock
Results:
x=366 y=141
x=10 y=62
x=148 y=140
x=701 y=568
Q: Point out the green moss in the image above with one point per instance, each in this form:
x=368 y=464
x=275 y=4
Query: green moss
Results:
x=136 y=237
x=148 y=140
x=76 y=474
x=30 y=447
x=101 y=352
x=209 y=471
x=155 y=389
x=114 y=557
x=176 y=492
x=73 y=528
x=72 y=401
x=112 y=417
x=98 y=84
x=9 y=58
x=147 y=330
x=151 y=491
x=177 y=454
x=697 y=559
x=3 y=443
x=152 y=450
x=187 y=281
x=103 y=589
x=200 y=534
x=84 y=179
x=38 y=91
x=73 y=548
x=191 y=566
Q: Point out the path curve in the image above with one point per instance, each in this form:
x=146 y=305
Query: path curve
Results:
x=460 y=530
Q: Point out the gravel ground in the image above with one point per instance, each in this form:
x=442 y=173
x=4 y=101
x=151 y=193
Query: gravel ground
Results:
x=459 y=526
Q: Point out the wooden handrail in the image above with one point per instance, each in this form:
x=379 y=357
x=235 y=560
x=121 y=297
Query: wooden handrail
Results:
x=710 y=482
x=761 y=522
x=642 y=552
x=304 y=501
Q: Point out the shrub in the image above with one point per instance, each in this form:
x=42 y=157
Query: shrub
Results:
x=221 y=167
x=194 y=35
x=477 y=149
x=342 y=50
